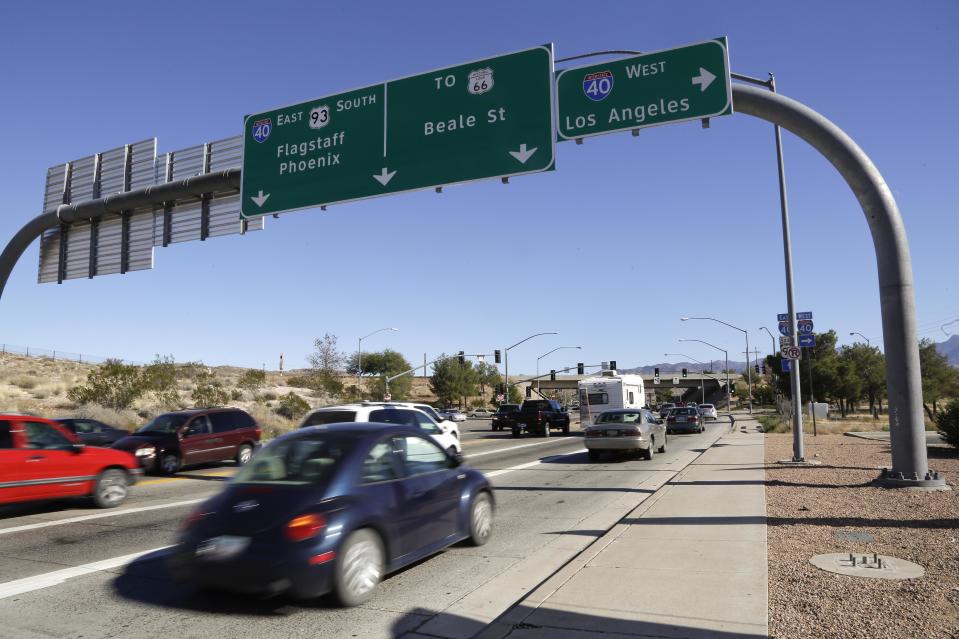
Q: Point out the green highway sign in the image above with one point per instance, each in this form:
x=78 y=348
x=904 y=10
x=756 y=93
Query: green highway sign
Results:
x=687 y=83
x=483 y=119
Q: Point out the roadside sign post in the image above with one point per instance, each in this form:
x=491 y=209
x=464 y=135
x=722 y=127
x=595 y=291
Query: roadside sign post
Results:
x=674 y=85
x=484 y=119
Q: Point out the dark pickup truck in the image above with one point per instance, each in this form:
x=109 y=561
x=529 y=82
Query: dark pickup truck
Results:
x=501 y=416
x=536 y=415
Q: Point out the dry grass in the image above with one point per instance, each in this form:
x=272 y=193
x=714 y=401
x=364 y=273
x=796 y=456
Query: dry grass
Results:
x=775 y=423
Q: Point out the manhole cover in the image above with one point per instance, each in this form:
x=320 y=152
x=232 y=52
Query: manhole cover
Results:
x=872 y=566
x=854 y=536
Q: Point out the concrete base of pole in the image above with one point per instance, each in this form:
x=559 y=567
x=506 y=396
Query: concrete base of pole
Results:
x=930 y=482
x=799 y=462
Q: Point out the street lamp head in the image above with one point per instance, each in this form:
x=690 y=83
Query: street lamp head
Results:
x=392 y=328
x=683 y=319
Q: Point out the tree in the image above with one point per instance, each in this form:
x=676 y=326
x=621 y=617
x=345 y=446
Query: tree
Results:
x=664 y=395
x=387 y=363
x=160 y=378
x=453 y=382
x=868 y=366
x=252 y=380
x=487 y=375
x=939 y=379
x=948 y=422
x=515 y=397
x=325 y=362
x=112 y=384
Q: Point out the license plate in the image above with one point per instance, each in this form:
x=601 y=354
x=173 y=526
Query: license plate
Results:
x=612 y=433
x=521 y=425
x=680 y=419
x=222 y=547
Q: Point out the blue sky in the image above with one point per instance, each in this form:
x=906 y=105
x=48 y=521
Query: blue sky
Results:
x=625 y=237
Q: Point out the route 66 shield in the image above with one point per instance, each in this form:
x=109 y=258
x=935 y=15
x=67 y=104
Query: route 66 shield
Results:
x=597 y=86
x=480 y=81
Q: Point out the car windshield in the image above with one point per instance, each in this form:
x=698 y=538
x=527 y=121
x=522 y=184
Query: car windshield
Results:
x=684 y=411
x=168 y=423
x=322 y=417
x=617 y=418
x=300 y=461
x=706 y=406
x=508 y=408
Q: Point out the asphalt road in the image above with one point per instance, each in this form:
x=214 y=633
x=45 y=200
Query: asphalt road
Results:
x=68 y=570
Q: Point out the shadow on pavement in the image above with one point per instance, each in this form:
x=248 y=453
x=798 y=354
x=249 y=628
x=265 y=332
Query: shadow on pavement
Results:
x=524 y=622
x=582 y=489
x=832 y=522
x=42 y=508
x=147 y=581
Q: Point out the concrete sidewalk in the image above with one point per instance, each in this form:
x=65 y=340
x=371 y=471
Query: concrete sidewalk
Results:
x=688 y=562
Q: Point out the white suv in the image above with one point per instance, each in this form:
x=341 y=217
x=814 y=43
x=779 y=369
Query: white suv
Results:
x=443 y=434
x=444 y=423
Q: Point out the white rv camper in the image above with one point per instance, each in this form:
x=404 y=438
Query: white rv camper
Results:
x=607 y=391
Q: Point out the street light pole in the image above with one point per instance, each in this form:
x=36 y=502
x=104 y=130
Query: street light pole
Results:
x=506 y=357
x=359 y=350
x=868 y=343
x=702 y=375
x=729 y=401
x=749 y=373
x=771 y=339
x=558 y=348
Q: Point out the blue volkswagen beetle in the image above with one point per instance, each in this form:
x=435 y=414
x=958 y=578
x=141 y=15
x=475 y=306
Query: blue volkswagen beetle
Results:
x=332 y=509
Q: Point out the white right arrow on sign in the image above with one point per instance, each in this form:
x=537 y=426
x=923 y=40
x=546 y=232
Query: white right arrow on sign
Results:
x=704 y=79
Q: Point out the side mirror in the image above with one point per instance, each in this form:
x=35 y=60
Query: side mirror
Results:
x=76 y=449
x=457 y=459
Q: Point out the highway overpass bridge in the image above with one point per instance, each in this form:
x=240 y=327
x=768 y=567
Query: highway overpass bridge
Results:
x=713 y=382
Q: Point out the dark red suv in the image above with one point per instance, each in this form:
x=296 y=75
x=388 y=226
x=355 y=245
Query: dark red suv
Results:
x=198 y=436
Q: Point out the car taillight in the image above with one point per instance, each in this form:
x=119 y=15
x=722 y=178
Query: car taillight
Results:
x=694 y=419
x=539 y=415
x=629 y=431
x=304 y=527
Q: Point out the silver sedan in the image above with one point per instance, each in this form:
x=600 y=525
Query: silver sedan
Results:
x=626 y=430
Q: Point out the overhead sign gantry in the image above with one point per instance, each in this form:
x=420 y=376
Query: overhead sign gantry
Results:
x=483 y=119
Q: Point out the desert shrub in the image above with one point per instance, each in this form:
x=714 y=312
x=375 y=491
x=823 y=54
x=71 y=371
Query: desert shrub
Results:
x=948 y=422
x=252 y=380
x=112 y=384
x=236 y=394
x=210 y=393
x=292 y=406
x=26 y=382
x=160 y=378
x=268 y=396
x=128 y=419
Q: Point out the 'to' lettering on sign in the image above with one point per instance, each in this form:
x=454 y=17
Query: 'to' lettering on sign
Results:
x=680 y=84
x=489 y=118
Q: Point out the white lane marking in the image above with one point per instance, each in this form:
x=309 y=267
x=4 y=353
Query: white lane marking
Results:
x=504 y=450
x=112 y=513
x=39 y=582
x=533 y=463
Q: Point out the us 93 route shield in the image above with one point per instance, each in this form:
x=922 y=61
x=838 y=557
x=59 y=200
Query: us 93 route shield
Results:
x=483 y=119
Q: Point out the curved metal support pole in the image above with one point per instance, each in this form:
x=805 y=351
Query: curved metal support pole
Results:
x=910 y=466
x=146 y=197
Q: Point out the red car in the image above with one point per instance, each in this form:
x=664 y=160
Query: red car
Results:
x=40 y=459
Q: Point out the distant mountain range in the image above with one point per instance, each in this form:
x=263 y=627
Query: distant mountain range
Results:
x=950 y=349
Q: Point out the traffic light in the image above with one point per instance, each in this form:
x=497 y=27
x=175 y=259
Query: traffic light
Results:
x=612 y=364
x=757 y=368
x=764 y=369
x=496 y=356
x=529 y=392
x=552 y=376
x=580 y=369
x=685 y=372
x=655 y=372
x=732 y=389
x=462 y=357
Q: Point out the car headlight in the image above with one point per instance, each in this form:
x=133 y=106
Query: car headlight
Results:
x=146 y=451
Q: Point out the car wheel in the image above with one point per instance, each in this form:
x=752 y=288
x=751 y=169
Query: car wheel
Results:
x=481 y=519
x=647 y=453
x=566 y=429
x=169 y=463
x=111 y=488
x=593 y=455
x=244 y=454
x=359 y=568
x=662 y=449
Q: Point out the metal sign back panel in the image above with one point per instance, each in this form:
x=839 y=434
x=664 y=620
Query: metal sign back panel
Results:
x=674 y=85
x=489 y=118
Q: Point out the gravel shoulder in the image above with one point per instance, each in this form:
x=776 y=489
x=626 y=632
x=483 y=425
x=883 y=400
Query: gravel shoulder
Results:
x=807 y=506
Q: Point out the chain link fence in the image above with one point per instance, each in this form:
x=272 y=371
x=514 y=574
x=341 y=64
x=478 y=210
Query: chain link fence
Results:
x=83 y=358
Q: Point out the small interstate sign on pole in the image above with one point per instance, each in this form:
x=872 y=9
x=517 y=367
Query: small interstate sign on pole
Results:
x=687 y=83
x=483 y=119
